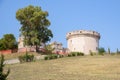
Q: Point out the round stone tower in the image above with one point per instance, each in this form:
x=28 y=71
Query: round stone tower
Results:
x=83 y=41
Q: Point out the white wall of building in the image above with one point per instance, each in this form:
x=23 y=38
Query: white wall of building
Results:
x=21 y=42
x=83 y=41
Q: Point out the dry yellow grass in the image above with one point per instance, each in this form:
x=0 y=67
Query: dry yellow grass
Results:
x=69 y=68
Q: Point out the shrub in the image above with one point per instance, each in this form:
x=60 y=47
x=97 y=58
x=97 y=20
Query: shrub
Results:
x=26 y=58
x=101 y=50
x=52 y=56
x=73 y=54
x=69 y=55
x=81 y=54
x=60 y=56
x=91 y=53
x=21 y=59
x=78 y=54
x=3 y=76
x=55 y=56
x=46 y=57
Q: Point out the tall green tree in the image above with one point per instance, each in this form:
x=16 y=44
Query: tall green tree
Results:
x=8 y=42
x=34 y=25
x=109 y=51
x=2 y=45
x=101 y=50
x=117 y=51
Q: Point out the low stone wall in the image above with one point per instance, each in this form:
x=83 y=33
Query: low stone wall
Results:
x=21 y=50
x=5 y=51
x=29 y=49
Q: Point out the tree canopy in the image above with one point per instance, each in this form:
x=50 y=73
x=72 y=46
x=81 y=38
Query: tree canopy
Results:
x=8 y=42
x=34 y=25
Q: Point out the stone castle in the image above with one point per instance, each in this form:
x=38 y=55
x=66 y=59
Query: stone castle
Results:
x=77 y=41
x=83 y=41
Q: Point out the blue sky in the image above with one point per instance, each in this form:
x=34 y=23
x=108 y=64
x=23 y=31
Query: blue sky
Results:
x=102 y=16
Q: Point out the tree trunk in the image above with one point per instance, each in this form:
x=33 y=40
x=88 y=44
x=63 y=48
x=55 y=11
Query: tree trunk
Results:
x=37 y=48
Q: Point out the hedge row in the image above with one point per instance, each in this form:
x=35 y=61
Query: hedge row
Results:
x=55 y=56
x=75 y=54
x=51 y=56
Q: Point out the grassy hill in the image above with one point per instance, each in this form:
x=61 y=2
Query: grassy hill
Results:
x=69 y=68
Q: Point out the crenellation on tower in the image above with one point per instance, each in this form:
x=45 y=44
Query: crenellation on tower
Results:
x=83 y=32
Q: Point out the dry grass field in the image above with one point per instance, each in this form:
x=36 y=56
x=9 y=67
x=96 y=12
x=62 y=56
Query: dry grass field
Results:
x=69 y=68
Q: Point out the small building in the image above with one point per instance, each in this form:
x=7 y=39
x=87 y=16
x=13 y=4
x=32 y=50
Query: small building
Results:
x=22 y=47
x=21 y=42
x=83 y=41
x=56 y=46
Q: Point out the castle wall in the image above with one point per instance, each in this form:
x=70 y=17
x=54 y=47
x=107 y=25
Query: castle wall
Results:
x=83 y=41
